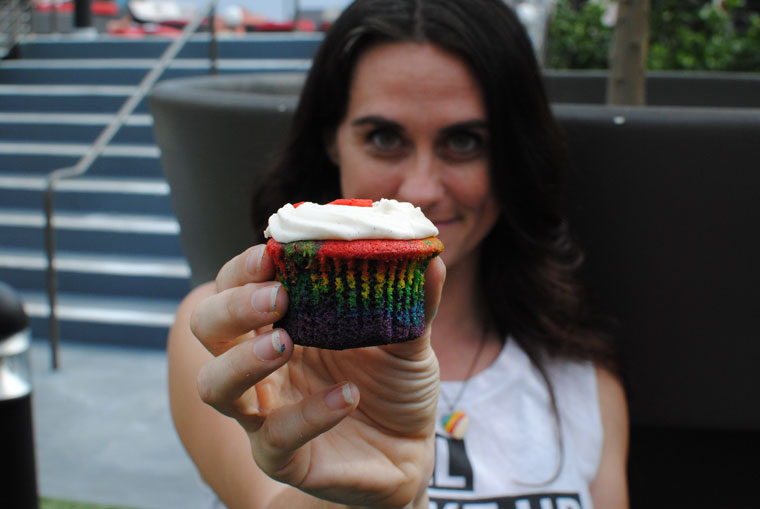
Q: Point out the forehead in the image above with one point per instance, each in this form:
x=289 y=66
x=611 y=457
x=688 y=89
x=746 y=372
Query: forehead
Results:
x=407 y=78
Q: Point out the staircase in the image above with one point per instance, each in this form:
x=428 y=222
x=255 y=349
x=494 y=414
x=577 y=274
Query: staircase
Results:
x=121 y=271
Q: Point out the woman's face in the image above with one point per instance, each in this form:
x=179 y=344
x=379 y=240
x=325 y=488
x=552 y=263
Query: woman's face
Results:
x=415 y=130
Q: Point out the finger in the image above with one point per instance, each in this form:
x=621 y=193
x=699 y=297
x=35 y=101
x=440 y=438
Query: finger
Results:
x=252 y=266
x=420 y=347
x=435 y=276
x=289 y=428
x=224 y=379
x=237 y=311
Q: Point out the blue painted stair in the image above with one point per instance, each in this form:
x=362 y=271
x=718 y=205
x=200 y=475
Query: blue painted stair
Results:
x=121 y=270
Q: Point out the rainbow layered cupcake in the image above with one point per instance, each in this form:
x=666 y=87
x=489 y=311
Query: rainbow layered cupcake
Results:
x=354 y=271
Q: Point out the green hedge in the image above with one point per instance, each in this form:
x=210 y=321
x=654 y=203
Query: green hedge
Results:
x=55 y=503
x=684 y=35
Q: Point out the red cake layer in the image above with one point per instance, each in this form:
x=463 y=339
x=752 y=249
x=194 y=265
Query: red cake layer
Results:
x=377 y=249
x=380 y=248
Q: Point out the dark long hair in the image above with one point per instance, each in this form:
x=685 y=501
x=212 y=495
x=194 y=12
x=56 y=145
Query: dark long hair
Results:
x=529 y=259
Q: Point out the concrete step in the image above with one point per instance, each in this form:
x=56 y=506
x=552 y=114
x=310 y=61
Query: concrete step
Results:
x=106 y=275
x=127 y=234
x=120 y=267
x=66 y=98
x=92 y=194
x=72 y=128
x=254 y=45
x=134 y=161
x=95 y=319
x=129 y=71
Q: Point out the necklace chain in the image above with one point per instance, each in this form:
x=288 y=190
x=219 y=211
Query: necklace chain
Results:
x=451 y=404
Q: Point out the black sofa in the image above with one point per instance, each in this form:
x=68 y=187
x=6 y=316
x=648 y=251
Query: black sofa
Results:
x=666 y=204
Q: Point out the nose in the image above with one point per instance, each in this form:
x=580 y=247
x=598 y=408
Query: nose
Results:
x=421 y=182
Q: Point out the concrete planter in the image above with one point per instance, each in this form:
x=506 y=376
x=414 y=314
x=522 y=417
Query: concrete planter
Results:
x=671 y=88
x=216 y=135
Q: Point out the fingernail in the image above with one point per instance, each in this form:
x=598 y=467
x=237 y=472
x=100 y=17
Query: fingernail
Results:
x=340 y=397
x=269 y=348
x=253 y=263
x=264 y=299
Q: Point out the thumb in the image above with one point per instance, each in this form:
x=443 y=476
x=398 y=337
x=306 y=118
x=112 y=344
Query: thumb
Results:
x=435 y=275
x=434 y=279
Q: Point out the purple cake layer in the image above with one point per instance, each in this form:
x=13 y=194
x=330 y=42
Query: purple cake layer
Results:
x=338 y=302
x=323 y=327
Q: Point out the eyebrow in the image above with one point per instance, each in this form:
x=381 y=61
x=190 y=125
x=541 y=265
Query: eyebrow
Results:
x=468 y=125
x=378 y=121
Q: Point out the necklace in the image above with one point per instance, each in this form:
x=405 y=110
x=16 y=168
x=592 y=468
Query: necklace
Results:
x=456 y=422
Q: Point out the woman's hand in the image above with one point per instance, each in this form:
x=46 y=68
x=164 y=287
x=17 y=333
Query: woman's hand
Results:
x=354 y=426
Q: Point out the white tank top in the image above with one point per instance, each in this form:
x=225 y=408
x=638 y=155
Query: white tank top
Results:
x=511 y=448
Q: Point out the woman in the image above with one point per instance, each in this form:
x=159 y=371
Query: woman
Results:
x=440 y=103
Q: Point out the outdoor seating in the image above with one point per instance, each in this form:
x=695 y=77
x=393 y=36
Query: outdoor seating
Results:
x=665 y=202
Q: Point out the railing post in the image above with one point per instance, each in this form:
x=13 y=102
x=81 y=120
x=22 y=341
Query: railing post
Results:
x=213 y=49
x=296 y=14
x=82 y=14
x=55 y=22
x=50 y=275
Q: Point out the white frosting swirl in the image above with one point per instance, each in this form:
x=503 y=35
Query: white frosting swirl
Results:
x=385 y=219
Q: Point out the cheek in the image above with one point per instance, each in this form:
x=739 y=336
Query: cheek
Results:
x=490 y=207
x=472 y=188
x=352 y=182
x=491 y=212
x=358 y=176
x=479 y=204
x=359 y=179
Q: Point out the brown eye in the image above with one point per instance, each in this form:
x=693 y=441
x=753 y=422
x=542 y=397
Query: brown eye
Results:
x=385 y=140
x=463 y=143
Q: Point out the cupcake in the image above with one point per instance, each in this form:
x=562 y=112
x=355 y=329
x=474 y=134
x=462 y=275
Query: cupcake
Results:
x=354 y=271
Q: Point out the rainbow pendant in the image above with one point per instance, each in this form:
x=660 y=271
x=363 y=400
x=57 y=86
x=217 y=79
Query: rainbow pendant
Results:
x=456 y=423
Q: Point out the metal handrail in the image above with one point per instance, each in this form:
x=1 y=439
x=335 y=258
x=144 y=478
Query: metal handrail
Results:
x=15 y=20
x=97 y=148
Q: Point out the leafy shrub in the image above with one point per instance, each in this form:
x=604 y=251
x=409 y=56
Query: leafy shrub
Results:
x=684 y=35
x=577 y=37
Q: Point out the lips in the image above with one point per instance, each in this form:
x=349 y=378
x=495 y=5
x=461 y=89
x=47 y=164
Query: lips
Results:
x=442 y=219
x=443 y=222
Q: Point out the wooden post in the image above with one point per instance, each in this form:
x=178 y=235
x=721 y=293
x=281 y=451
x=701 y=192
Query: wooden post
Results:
x=628 y=54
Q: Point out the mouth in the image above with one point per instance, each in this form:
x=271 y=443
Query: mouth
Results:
x=443 y=223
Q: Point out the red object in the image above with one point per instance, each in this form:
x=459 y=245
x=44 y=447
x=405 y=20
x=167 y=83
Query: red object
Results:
x=303 y=25
x=101 y=8
x=381 y=249
x=98 y=8
x=295 y=205
x=137 y=31
x=50 y=6
x=370 y=249
x=353 y=202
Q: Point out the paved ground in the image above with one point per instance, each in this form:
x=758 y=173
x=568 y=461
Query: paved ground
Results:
x=103 y=430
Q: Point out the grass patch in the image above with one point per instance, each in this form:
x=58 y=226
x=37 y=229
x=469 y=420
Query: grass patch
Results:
x=55 y=503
